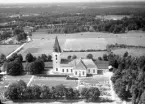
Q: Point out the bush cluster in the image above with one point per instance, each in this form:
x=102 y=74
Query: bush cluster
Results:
x=20 y=91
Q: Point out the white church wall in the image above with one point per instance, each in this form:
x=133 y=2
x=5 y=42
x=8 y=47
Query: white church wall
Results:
x=92 y=71
x=79 y=73
x=66 y=70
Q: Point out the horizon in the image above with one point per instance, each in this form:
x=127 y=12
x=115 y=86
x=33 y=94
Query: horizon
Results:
x=63 y=1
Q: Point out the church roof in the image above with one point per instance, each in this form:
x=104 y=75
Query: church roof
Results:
x=56 y=47
x=80 y=66
x=102 y=64
x=89 y=63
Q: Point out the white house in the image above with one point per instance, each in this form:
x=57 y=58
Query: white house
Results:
x=77 y=67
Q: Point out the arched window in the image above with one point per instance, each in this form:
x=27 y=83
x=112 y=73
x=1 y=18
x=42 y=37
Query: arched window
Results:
x=83 y=73
x=94 y=71
x=62 y=70
x=56 y=57
x=76 y=72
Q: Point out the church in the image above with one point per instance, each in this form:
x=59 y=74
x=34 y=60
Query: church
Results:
x=78 y=67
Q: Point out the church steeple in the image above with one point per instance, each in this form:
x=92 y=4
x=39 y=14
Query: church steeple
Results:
x=56 y=47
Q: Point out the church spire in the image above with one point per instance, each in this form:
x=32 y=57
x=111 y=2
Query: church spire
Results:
x=56 y=47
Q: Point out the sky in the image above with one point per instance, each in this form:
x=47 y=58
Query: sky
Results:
x=55 y=1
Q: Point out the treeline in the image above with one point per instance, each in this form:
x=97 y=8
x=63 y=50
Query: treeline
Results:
x=87 y=50
x=20 y=91
x=114 y=46
x=18 y=32
x=15 y=65
x=84 y=22
x=88 y=22
x=128 y=77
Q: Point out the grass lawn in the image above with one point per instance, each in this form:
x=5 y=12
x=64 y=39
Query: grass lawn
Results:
x=7 y=49
x=11 y=79
x=53 y=81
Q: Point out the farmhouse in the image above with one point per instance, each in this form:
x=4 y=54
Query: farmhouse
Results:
x=77 y=67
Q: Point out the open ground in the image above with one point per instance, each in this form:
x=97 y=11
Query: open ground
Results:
x=43 y=42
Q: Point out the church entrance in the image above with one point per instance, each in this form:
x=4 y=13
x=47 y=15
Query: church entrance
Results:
x=79 y=73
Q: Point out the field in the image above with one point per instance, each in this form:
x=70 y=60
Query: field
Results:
x=131 y=51
x=83 y=54
x=84 y=44
x=7 y=49
x=112 y=17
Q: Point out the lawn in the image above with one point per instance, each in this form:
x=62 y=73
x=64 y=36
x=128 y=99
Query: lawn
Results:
x=7 y=49
x=53 y=81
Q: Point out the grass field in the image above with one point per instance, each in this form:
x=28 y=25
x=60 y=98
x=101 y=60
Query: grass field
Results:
x=7 y=49
x=43 y=42
x=131 y=51
x=83 y=54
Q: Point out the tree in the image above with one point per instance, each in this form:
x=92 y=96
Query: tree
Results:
x=84 y=92
x=69 y=93
x=74 y=57
x=89 y=56
x=16 y=90
x=60 y=91
x=90 y=94
x=69 y=57
x=45 y=92
x=36 y=92
x=125 y=54
x=100 y=58
x=21 y=36
x=20 y=57
x=44 y=57
x=105 y=57
x=49 y=57
x=29 y=57
x=18 y=31
x=14 y=68
x=2 y=58
x=36 y=67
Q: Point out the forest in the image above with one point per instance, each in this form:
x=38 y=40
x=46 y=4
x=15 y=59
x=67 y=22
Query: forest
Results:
x=128 y=78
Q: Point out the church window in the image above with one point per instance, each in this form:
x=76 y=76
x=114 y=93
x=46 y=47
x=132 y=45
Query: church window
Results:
x=56 y=69
x=56 y=57
x=76 y=72
x=83 y=73
x=89 y=70
x=62 y=70
x=94 y=71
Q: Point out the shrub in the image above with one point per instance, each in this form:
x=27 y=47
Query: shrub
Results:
x=89 y=56
x=29 y=57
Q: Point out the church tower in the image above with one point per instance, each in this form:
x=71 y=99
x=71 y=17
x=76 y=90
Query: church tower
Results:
x=56 y=56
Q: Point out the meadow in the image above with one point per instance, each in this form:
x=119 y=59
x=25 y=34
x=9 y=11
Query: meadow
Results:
x=7 y=49
x=43 y=42
x=132 y=51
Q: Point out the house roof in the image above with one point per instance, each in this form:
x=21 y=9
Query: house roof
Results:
x=102 y=64
x=56 y=47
